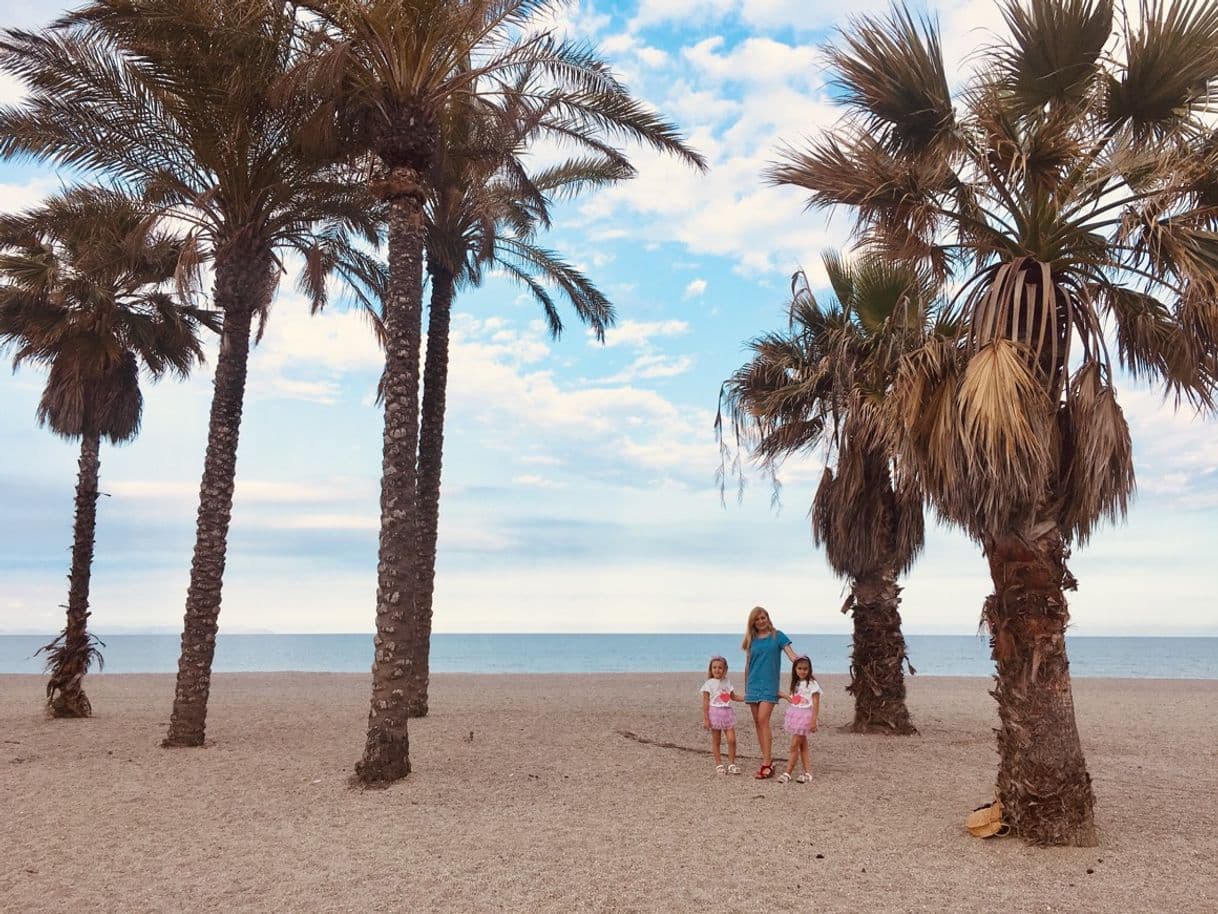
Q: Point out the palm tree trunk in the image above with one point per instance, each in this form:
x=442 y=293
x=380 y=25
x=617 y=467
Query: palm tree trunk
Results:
x=431 y=455
x=65 y=694
x=1042 y=777
x=877 y=675
x=386 y=755
x=241 y=285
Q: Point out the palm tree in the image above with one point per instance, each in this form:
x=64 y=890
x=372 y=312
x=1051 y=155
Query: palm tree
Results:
x=182 y=101
x=817 y=387
x=391 y=70
x=1070 y=187
x=82 y=291
x=482 y=211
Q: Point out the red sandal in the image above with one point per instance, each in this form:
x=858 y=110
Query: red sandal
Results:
x=765 y=771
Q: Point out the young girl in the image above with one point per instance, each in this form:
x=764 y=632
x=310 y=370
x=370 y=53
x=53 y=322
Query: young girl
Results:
x=718 y=715
x=800 y=719
x=763 y=647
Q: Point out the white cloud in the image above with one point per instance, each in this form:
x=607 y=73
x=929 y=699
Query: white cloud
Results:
x=651 y=366
x=640 y=333
x=656 y=12
x=17 y=197
x=696 y=288
x=533 y=481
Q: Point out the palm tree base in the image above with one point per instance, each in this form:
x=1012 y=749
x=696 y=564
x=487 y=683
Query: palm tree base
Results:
x=415 y=709
x=68 y=704
x=386 y=758
x=182 y=735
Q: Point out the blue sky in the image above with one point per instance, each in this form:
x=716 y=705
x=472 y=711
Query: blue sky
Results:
x=579 y=489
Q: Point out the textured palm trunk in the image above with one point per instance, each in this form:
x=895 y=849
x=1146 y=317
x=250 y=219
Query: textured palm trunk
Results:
x=1042 y=777
x=65 y=692
x=241 y=285
x=431 y=454
x=387 y=749
x=877 y=663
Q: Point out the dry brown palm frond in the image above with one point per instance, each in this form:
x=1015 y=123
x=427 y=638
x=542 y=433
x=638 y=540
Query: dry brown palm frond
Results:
x=1006 y=429
x=1097 y=452
x=1054 y=52
x=891 y=72
x=1171 y=66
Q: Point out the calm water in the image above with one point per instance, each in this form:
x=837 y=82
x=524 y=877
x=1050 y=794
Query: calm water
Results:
x=932 y=655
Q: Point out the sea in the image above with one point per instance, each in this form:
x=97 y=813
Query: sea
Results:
x=931 y=655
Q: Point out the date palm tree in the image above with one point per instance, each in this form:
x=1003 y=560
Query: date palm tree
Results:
x=817 y=388
x=1070 y=191
x=182 y=101
x=482 y=213
x=83 y=292
x=391 y=69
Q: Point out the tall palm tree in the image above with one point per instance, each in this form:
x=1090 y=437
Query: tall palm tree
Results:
x=83 y=291
x=482 y=212
x=1070 y=187
x=182 y=101
x=391 y=69
x=816 y=388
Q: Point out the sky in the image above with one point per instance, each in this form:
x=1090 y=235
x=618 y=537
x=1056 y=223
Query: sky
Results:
x=579 y=481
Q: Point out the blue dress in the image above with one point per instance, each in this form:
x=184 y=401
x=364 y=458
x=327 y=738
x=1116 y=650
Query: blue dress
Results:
x=765 y=661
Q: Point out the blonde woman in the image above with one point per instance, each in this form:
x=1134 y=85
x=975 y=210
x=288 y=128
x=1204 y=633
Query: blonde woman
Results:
x=763 y=648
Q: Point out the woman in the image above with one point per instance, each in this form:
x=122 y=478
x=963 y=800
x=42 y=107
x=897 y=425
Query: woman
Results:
x=763 y=648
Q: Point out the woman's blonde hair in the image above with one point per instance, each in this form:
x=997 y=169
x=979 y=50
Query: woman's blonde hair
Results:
x=748 y=628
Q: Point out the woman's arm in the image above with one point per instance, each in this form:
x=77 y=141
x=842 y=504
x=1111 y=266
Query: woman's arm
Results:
x=706 y=710
x=783 y=695
x=790 y=652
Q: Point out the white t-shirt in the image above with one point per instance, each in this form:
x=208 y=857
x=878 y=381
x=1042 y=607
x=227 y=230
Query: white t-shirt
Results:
x=720 y=691
x=802 y=696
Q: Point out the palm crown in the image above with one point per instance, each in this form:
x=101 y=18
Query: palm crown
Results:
x=184 y=104
x=820 y=385
x=1071 y=188
x=85 y=293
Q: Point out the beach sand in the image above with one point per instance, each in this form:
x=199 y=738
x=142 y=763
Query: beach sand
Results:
x=526 y=796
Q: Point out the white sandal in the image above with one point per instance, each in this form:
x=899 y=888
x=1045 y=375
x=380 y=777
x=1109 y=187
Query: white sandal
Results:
x=733 y=769
x=784 y=777
x=720 y=769
x=804 y=778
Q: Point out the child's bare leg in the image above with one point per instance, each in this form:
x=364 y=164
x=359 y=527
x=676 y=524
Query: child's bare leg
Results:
x=731 y=747
x=793 y=755
x=806 y=756
x=716 y=737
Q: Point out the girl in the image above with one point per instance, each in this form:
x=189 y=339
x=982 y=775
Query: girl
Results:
x=800 y=719
x=763 y=647
x=718 y=716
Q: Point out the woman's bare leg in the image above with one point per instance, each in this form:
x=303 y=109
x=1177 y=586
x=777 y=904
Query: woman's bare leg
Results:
x=765 y=739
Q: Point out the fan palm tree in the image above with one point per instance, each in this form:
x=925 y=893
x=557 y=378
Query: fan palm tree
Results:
x=82 y=291
x=1070 y=189
x=391 y=69
x=182 y=102
x=816 y=388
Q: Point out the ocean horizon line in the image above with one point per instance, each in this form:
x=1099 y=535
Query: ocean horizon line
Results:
x=125 y=632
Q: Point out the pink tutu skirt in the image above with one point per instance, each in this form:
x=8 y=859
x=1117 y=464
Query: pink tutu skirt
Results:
x=723 y=718
x=798 y=721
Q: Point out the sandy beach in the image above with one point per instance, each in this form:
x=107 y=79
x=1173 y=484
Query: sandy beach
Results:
x=527 y=795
